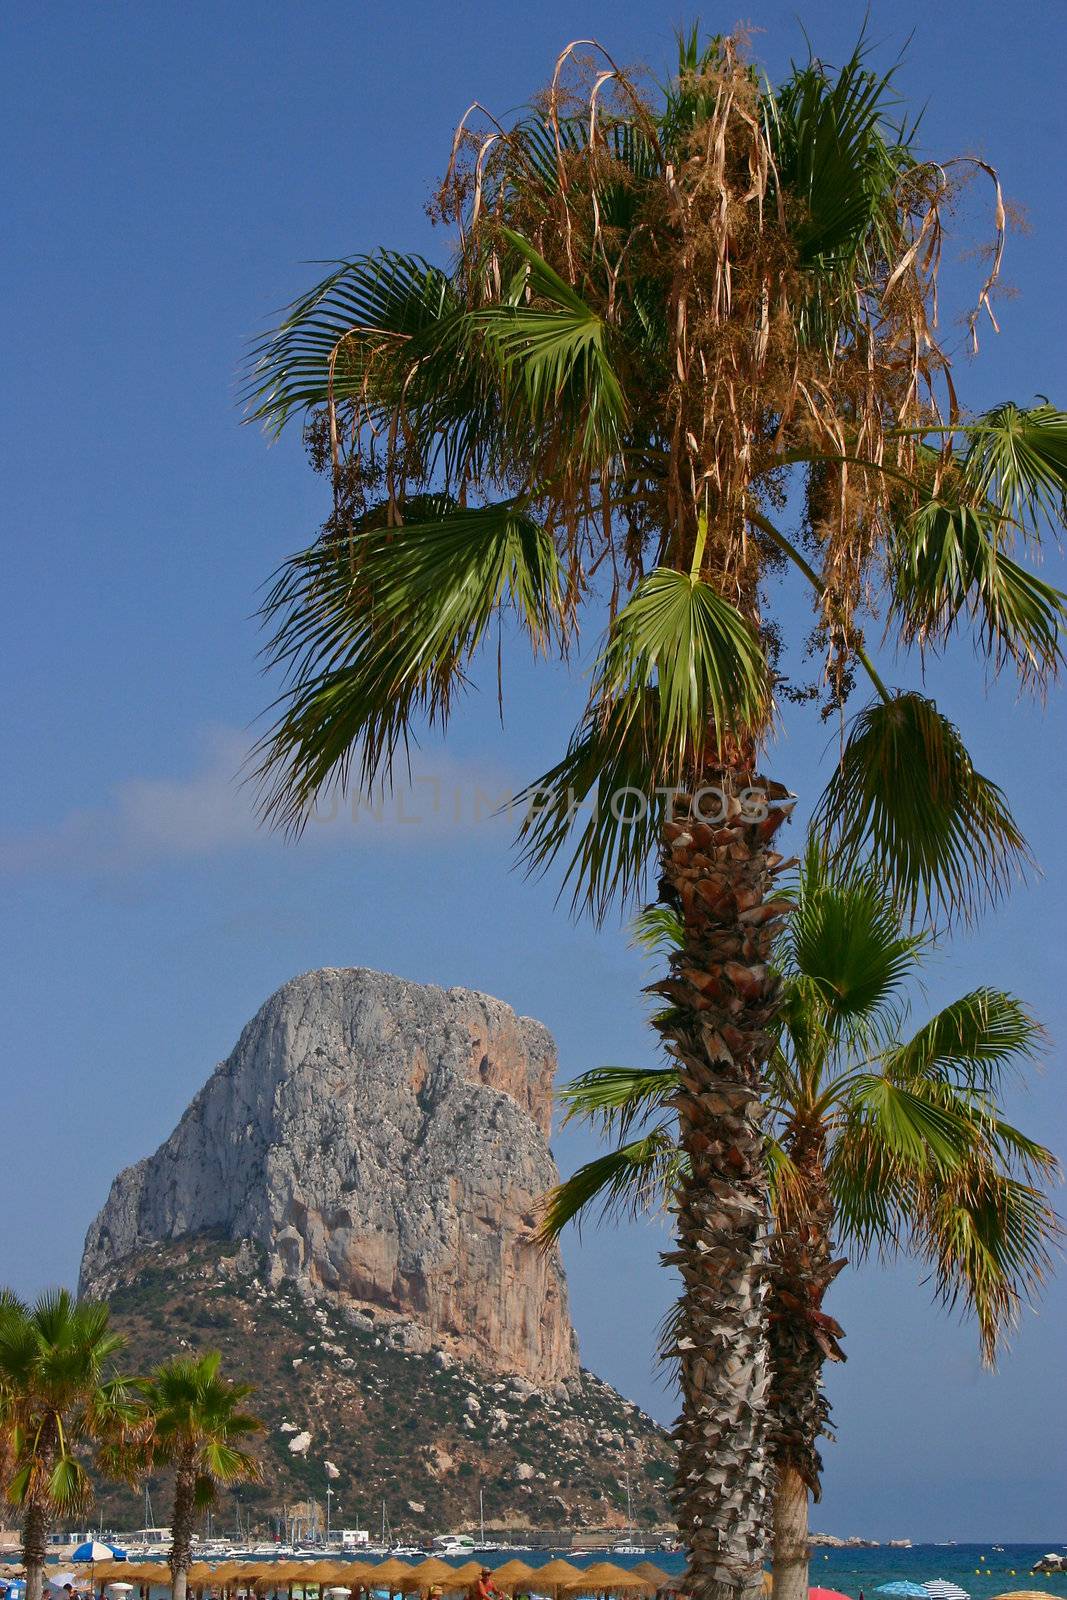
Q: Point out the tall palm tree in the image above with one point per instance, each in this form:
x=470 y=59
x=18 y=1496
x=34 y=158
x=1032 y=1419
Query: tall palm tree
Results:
x=198 y=1428
x=668 y=320
x=878 y=1142
x=59 y=1400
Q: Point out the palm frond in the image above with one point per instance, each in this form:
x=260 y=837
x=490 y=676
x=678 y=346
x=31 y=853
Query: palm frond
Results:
x=556 y=351
x=916 y=1128
x=658 y=930
x=378 y=631
x=975 y=1040
x=906 y=796
x=617 y=1097
x=602 y=799
x=990 y=1240
x=638 y=1177
x=324 y=347
x=706 y=662
x=837 y=159
x=949 y=563
x=1016 y=459
x=845 y=936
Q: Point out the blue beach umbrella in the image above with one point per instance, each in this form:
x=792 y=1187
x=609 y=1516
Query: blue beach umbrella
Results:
x=941 y=1589
x=903 y=1590
x=92 y=1550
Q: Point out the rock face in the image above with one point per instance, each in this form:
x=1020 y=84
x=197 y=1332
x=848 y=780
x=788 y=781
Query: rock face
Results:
x=385 y=1144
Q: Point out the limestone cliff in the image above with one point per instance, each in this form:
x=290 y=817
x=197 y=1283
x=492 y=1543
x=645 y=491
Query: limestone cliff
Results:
x=384 y=1144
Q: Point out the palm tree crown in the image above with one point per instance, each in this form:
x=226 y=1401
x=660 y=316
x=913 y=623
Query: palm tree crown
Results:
x=879 y=1141
x=198 y=1428
x=669 y=320
x=665 y=316
x=58 y=1401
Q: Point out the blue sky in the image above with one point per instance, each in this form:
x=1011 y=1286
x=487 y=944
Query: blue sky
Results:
x=172 y=172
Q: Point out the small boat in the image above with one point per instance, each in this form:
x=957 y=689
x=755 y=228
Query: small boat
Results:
x=453 y=1544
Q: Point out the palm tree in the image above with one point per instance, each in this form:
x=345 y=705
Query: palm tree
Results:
x=58 y=1399
x=668 y=320
x=198 y=1428
x=878 y=1142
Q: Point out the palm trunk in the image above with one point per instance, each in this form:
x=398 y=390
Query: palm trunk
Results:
x=182 y=1531
x=34 y=1549
x=803 y=1338
x=790 y=1536
x=722 y=994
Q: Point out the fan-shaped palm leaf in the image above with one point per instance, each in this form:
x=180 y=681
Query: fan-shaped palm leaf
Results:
x=950 y=564
x=906 y=795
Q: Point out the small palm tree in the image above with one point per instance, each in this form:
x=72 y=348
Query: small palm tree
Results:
x=198 y=1428
x=878 y=1142
x=668 y=320
x=59 y=1400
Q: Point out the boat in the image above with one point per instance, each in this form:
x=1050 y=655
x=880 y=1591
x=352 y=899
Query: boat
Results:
x=629 y=1550
x=453 y=1544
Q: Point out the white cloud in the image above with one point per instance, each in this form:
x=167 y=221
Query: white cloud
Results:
x=212 y=810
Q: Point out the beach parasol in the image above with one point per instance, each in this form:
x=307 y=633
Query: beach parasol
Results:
x=554 y=1575
x=434 y=1571
x=604 y=1577
x=654 y=1574
x=832 y=1594
x=903 y=1590
x=513 y=1575
x=392 y=1575
x=1026 y=1594
x=941 y=1589
x=462 y=1577
x=93 y=1551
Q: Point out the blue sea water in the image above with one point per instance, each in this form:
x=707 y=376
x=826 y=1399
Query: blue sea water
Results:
x=979 y=1569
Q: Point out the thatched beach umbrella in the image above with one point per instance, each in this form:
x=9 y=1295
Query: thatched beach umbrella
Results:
x=514 y=1575
x=604 y=1577
x=555 y=1575
x=655 y=1575
x=1026 y=1594
x=463 y=1576
x=432 y=1571
x=393 y=1575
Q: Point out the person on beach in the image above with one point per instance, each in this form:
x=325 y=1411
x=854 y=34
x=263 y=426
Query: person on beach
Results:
x=485 y=1588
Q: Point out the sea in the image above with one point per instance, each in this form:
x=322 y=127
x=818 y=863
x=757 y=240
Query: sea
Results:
x=980 y=1569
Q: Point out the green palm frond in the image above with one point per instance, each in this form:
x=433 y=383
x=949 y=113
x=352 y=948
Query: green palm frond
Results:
x=617 y=1097
x=990 y=1240
x=601 y=803
x=845 y=936
x=837 y=160
x=638 y=1177
x=974 y=1040
x=1016 y=460
x=906 y=796
x=917 y=1129
x=706 y=662
x=332 y=335
x=658 y=930
x=556 y=352
x=949 y=564
x=376 y=631
x=681 y=668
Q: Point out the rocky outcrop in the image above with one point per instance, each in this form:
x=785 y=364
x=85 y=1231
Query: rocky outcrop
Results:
x=385 y=1144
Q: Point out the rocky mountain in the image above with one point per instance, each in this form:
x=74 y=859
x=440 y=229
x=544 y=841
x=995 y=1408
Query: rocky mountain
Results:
x=385 y=1144
x=347 y=1210
x=422 y=1432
